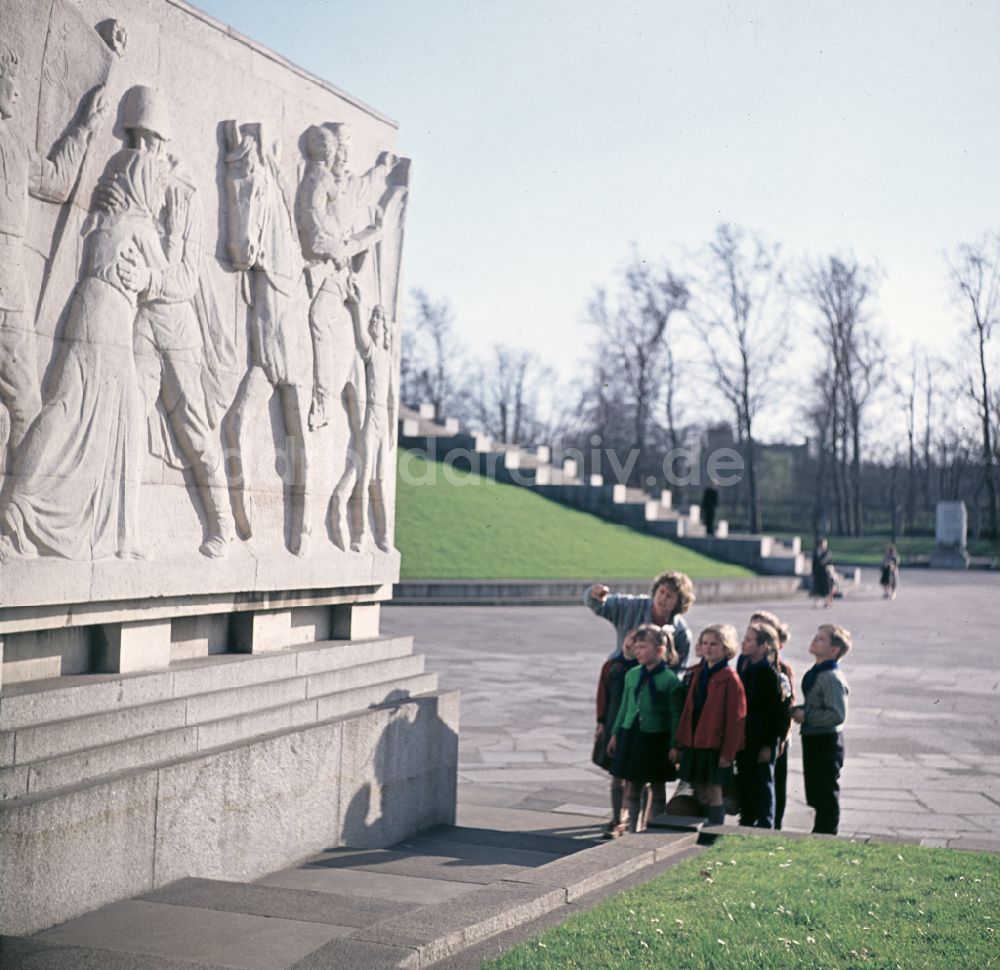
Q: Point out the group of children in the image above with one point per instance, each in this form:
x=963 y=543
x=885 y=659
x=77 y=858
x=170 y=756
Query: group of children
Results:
x=716 y=727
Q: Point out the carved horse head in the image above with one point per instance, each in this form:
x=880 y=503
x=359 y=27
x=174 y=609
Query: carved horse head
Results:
x=260 y=229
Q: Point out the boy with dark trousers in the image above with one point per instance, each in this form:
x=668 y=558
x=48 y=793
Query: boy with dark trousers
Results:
x=822 y=717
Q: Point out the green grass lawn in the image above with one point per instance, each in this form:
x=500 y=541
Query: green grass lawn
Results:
x=869 y=550
x=455 y=525
x=764 y=903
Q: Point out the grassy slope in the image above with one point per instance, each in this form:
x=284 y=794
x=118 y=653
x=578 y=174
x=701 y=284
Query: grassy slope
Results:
x=462 y=526
x=761 y=903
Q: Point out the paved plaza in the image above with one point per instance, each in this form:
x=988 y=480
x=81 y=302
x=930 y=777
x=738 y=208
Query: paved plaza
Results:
x=923 y=733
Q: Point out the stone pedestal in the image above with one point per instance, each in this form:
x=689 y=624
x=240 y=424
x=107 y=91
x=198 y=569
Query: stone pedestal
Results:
x=950 y=536
x=200 y=538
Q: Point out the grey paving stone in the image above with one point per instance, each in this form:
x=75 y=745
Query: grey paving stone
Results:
x=471 y=794
x=960 y=803
x=348 y=954
x=21 y=953
x=420 y=866
x=520 y=820
x=441 y=930
x=582 y=873
x=300 y=904
x=525 y=840
x=179 y=932
x=368 y=885
x=489 y=854
x=523 y=776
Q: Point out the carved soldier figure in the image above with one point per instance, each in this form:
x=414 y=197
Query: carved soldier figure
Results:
x=169 y=344
x=367 y=470
x=336 y=215
x=52 y=179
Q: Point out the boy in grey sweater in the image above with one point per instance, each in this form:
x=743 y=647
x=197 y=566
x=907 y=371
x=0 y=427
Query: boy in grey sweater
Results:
x=822 y=718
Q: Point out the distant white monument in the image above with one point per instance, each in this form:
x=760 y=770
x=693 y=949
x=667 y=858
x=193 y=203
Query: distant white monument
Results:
x=950 y=536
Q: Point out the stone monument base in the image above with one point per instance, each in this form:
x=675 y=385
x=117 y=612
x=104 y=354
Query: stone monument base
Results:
x=949 y=557
x=224 y=766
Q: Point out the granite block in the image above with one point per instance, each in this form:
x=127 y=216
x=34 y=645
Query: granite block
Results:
x=13 y=782
x=222 y=672
x=493 y=837
x=242 y=700
x=358 y=698
x=75 y=850
x=247 y=810
x=23 y=705
x=268 y=900
x=370 y=672
x=363 y=884
x=333 y=655
x=586 y=871
x=440 y=930
x=213 y=734
x=63 y=737
x=235 y=940
x=105 y=760
x=348 y=954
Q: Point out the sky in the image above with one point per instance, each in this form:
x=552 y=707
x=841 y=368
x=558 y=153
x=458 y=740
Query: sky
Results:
x=549 y=137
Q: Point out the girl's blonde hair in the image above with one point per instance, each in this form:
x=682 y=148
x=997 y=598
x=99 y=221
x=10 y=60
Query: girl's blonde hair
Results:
x=651 y=633
x=727 y=635
x=682 y=586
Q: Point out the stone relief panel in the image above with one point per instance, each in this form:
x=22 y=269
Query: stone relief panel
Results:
x=198 y=312
x=350 y=227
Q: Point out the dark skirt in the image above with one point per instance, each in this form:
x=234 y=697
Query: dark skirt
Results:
x=642 y=757
x=600 y=755
x=700 y=766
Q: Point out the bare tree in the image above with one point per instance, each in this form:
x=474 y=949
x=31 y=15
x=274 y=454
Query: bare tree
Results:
x=975 y=274
x=507 y=395
x=738 y=314
x=431 y=365
x=634 y=368
x=841 y=291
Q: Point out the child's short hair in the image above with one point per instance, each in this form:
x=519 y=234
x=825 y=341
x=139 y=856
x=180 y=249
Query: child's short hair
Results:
x=728 y=636
x=682 y=585
x=839 y=637
x=767 y=637
x=651 y=633
x=766 y=616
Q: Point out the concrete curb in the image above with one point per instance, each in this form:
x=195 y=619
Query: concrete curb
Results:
x=569 y=592
x=427 y=935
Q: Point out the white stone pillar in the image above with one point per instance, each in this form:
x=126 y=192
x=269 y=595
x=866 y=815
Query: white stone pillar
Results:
x=126 y=648
x=356 y=621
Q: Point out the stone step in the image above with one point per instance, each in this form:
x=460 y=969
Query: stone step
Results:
x=39 y=701
x=62 y=698
x=43 y=768
x=51 y=738
x=443 y=929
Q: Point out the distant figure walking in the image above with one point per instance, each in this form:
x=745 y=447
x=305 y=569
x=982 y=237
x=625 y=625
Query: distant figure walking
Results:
x=822 y=568
x=709 y=503
x=890 y=572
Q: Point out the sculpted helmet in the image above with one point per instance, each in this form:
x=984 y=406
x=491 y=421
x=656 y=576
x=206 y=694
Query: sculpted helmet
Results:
x=144 y=108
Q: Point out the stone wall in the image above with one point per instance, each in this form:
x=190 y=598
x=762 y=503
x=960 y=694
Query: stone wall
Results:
x=199 y=284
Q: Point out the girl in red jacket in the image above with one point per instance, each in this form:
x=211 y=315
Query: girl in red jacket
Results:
x=712 y=721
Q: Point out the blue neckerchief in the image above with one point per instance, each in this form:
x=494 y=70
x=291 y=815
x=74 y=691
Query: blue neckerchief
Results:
x=814 y=671
x=646 y=677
